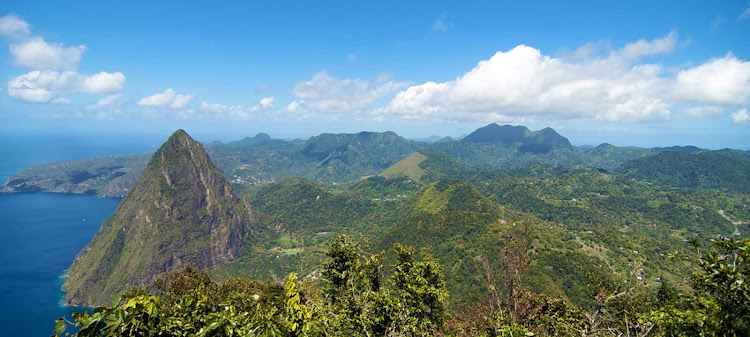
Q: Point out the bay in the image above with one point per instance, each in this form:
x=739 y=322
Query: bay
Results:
x=41 y=233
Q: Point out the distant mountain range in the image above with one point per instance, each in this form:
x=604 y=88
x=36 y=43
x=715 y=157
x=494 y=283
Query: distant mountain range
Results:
x=343 y=158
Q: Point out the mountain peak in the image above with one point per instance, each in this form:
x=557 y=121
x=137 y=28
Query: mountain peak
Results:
x=181 y=212
x=541 y=141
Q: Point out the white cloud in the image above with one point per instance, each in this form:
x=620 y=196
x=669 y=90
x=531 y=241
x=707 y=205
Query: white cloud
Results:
x=352 y=57
x=40 y=86
x=704 y=111
x=108 y=100
x=523 y=82
x=719 y=81
x=12 y=26
x=168 y=98
x=53 y=67
x=642 y=47
x=324 y=94
x=745 y=14
x=36 y=53
x=266 y=103
x=100 y=83
x=741 y=117
x=181 y=101
x=293 y=107
x=158 y=100
x=31 y=95
x=237 y=111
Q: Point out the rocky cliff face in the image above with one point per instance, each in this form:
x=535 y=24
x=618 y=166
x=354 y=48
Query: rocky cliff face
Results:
x=181 y=212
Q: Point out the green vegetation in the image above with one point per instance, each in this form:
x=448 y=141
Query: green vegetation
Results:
x=106 y=176
x=724 y=170
x=347 y=158
x=357 y=296
x=407 y=167
x=550 y=241
x=181 y=212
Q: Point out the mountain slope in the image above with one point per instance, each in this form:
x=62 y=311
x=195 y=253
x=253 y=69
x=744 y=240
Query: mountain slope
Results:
x=353 y=156
x=725 y=169
x=181 y=212
x=428 y=165
x=541 y=141
x=247 y=141
x=407 y=167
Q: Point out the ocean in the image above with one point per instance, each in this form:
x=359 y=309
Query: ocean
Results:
x=41 y=233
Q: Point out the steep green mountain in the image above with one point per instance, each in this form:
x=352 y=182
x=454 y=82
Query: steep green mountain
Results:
x=725 y=169
x=181 y=212
x=541 y=141
x=356 y=155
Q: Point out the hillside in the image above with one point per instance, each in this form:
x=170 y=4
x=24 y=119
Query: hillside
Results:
x=355 y=155
x=428 y=165
x=105 y=176
x=541 y=141
x=407 y=167
x=724 y=170
x=181 y=212
x=247 y=141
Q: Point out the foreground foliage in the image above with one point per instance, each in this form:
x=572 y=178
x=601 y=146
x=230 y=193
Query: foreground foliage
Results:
x=355 y=298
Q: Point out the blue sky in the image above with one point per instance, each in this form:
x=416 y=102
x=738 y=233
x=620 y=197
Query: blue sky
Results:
x=636 y=73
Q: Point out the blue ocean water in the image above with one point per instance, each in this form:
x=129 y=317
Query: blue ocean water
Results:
x=41 y=233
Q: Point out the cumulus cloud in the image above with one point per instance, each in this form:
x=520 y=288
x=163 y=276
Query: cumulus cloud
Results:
x=325 y=94
x=181 y=101
x=523 y=82
x=741 y=117
x=41 y=86
x=36 y=53
x=266 y=103
x=719 y=81
x=237 y=111
x=53 y=67
x=12 y=26
x=616 y=87
x=169 y=98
